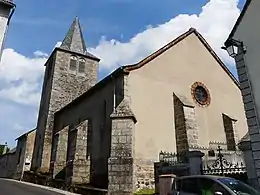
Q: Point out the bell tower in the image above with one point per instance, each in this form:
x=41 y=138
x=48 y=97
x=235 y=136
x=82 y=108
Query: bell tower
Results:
x=70 y=71
x=7 y=8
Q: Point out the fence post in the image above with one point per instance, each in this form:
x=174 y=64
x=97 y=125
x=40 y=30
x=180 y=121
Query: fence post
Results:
x=246 y=148
x=195 y=162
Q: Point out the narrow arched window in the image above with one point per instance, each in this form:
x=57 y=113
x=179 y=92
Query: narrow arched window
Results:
x=82 y=64
x=73 y=63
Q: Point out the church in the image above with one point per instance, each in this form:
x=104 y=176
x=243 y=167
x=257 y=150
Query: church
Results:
x=181 y=97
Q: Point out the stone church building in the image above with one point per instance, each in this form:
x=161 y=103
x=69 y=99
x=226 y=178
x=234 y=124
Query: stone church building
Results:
x=181 y=97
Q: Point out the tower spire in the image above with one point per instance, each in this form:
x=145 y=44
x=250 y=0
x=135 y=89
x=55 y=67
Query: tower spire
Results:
x=74 y=40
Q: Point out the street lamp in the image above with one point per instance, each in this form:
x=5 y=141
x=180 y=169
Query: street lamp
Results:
x=233 y=46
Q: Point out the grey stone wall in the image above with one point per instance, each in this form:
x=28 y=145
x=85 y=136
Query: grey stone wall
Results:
x=80 y=164
x=186 y=127
x=59 y=153
x=245 y=146
x=252 y=119
x=144 y=174
x=20 y=157
x=61 y=86
x=24 y=148
x=96 y=108
x=121 y=174
x=8 y=165
x=29 y=150
x=229 y=127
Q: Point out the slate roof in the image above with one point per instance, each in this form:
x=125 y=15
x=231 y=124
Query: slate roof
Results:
x=174 y=42
x=25 y=134
x=74 y=40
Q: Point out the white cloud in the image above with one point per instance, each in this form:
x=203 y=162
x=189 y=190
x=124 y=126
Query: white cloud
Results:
x=21 y=76
x=40 y=54
x=214 y=23
x=58 y=44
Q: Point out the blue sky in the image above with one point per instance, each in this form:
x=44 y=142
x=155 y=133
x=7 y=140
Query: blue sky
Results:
x=111 y=28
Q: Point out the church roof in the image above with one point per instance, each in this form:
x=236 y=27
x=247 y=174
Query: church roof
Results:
x=128 y=68
x=239 y=19
x=25 y=134
x=74 y=40
x=174 y=42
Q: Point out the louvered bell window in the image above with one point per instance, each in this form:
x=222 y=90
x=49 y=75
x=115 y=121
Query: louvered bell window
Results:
x=73 y=63
x=82 y=64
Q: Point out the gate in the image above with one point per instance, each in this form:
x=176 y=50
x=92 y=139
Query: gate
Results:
x=223 y=167
x=169 y=163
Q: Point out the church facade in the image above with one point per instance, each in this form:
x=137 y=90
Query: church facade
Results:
x=180 y=98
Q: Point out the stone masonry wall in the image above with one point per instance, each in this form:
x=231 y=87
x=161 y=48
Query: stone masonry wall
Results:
x=180 y=129
x=121 y=174
x=191 y=126
x=60 y=153
x=20 y=157
x=229 y=131
x=186 y=127
x=24 y=152
x=8 y=165
x=144 y=174
x=65 y=87
x=120 y=165
x=96 y=108
x=81 y=162
x=252 y=118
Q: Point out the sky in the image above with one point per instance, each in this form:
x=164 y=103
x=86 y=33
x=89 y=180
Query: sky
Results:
x=119 y=32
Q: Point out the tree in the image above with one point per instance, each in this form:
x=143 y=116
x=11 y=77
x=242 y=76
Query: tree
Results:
x=2 y=147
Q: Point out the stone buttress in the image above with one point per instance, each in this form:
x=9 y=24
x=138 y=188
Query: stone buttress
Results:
x=121 y=162
x=186 y=126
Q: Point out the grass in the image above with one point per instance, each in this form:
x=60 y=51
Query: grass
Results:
x=145 y=192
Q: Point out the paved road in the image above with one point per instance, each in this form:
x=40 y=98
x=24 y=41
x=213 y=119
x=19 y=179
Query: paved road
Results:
x=9 y=187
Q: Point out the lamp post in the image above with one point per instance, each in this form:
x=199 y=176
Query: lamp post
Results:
x=233 y=47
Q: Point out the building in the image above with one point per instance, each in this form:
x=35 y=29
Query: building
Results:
x=13 y=163
x=3 y=148
x=109 y=133
x=8 y=164
x=242 y=45
x=24 y=152
x=7 y=8
x=60 y=87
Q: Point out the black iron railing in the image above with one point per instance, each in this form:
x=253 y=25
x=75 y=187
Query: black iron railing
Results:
x=221 y=165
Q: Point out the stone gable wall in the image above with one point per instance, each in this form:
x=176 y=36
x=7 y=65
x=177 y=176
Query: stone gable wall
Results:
x=25 y=145
x=20 y=149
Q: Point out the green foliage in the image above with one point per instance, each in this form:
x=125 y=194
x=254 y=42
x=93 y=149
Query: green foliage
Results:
x=2 y=149
x=145 y=192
